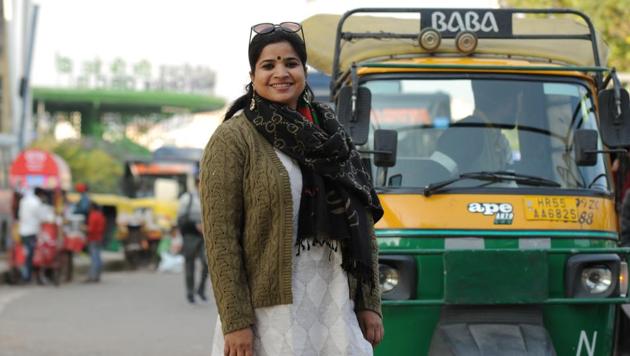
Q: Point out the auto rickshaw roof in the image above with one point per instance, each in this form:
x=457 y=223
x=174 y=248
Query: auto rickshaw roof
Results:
x=321 y=31
x=138 y=168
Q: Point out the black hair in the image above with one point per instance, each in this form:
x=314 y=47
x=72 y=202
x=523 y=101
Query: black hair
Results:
x=256 y=46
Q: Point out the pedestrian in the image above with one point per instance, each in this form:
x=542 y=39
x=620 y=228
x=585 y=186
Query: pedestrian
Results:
x=83 y=205
x=73 y=236
x=189 y=226
x=288 y=211
x=95 y=231
x=31 y=215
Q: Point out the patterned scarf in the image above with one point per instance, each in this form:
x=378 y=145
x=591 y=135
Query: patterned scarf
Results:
x=336 y=189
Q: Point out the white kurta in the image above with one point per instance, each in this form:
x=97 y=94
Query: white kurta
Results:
x=321 y=321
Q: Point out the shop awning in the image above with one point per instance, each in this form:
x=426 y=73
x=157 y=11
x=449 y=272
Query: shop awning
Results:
x=38 y=168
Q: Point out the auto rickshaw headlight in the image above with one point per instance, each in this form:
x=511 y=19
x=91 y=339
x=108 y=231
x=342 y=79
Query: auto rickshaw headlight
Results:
x=596 y=279
x=388 y=277
x=594 y=275
x=397 y=277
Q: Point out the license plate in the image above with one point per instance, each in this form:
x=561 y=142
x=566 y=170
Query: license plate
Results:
x=551 y=209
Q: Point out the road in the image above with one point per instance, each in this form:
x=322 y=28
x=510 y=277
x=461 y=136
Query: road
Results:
x=130 y=313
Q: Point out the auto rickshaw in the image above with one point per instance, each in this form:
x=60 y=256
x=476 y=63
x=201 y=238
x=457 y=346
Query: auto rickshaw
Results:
x=500 y=234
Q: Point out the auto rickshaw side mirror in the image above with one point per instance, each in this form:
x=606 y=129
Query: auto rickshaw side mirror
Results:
x=354 y=114
x=614 y=117
x=385 y=147
x=585 y=147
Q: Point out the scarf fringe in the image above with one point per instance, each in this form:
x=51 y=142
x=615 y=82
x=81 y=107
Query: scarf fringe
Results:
x=360 y=271
x=305 y=244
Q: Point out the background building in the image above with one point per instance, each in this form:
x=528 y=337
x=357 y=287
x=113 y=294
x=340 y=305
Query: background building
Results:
x=17 y=18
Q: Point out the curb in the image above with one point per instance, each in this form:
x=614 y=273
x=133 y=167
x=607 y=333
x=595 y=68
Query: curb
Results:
x=112 y=262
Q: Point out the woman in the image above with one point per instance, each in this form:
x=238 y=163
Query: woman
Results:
x=288 y=211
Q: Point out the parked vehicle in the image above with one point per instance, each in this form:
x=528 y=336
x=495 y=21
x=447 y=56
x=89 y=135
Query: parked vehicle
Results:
x=115 y=207
x=500 y=234
x=153 y=188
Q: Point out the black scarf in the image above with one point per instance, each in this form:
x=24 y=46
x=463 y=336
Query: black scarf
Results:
x=336 y=188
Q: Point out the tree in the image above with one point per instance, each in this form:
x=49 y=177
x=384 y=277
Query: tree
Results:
x=95 y=167
x=609 y=18
x=95 y=162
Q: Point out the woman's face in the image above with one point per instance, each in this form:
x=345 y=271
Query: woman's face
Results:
x=279 y=74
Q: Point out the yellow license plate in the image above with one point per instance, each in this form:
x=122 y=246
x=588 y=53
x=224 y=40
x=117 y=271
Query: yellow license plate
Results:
x=551 y=209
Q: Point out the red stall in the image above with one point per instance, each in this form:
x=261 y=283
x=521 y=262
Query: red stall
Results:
x=38 y=168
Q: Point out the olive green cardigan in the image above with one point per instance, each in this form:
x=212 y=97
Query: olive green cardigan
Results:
x=247 y=224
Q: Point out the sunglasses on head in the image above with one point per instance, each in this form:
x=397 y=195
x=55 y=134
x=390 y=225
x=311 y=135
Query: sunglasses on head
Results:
x=266 y=27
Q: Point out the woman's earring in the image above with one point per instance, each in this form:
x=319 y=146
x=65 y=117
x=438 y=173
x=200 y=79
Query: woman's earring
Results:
x=307 y=97
x=252 y=104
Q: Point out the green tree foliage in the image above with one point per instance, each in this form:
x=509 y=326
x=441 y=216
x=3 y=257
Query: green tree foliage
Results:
x=96 y=167
x=95 y=162
x=610 y=18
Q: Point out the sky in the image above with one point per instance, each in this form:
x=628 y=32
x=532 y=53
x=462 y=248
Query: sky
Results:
x=196 y=32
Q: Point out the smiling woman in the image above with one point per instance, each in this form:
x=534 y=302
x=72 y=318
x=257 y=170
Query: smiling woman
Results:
x=288 y=212
x=279 y=75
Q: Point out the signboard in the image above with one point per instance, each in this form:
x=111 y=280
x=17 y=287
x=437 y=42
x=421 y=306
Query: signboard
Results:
x=484 y=23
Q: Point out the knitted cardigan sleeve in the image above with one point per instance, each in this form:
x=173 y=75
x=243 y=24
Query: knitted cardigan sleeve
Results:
x=370 y=298
x=221 y=192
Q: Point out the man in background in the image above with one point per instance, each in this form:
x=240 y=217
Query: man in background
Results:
x=95 y=231
x=83 y=205
x=189 y=226
x=476 y=143
x=31 y=214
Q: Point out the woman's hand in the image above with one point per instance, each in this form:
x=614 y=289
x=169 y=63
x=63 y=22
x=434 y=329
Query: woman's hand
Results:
x=239 y=343
x=372 y=326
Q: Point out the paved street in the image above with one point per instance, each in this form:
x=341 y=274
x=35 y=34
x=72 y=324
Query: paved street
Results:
x=129 y=313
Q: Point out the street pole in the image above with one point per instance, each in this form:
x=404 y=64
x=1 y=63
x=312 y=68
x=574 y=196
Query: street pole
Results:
x=24 y=82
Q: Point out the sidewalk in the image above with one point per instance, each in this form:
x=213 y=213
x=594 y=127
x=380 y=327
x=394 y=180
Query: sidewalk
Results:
x=112 y=261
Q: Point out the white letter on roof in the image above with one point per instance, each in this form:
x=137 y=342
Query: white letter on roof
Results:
x=456 y=23
x=437 y=19
x=472 y=21
x=489 y=23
